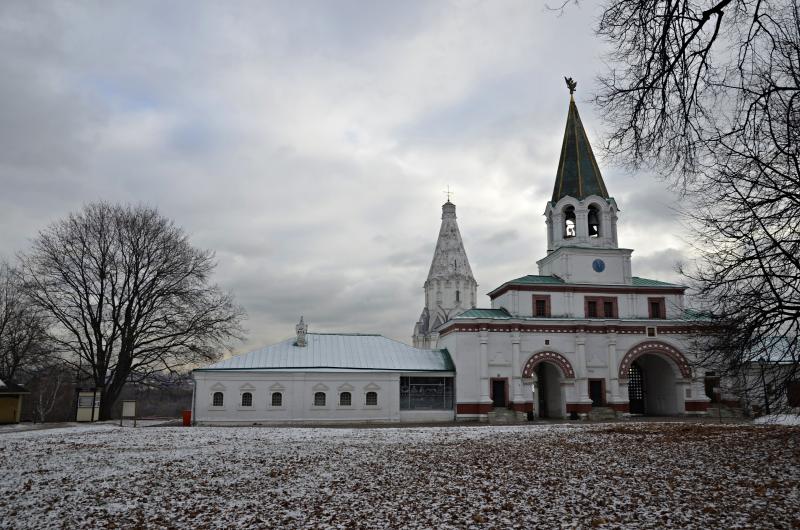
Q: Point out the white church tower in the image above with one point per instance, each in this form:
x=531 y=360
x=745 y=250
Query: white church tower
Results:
x=450 y=288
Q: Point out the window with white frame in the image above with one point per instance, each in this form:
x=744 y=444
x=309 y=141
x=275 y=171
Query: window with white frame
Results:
x=247 y=399
x=319 y=399
x=277 y=399
x=345 y=399
x=371 y=399
x=218 y=399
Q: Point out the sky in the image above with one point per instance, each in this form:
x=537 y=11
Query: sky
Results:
x=309 y=144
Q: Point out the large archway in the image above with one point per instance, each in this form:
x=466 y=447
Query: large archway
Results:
x=550 y=372
x=655 y=374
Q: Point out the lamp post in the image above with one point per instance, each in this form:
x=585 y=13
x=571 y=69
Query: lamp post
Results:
x=762 y=362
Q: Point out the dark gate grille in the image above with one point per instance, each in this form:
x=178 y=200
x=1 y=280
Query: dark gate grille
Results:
x=635 y=389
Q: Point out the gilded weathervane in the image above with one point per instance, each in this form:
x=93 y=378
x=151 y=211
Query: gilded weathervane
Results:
x=571 y=84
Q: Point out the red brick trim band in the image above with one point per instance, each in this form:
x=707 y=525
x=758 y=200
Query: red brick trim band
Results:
x=473 y=408
x=620 y=407
x=579 y=407
x=696 y=406
x=551 y=357
x=657 y=347
x=522 y=407
x=622 y=289
x=471 y=327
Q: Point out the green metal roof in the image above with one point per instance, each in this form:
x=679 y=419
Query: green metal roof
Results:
x=578 y=175
x=644 y=282
x=496 y=314
x=535 y=279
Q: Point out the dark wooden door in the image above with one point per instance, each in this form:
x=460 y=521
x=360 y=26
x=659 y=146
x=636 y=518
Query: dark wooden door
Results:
x=596 y=392
x=636 y=389
x=499 y=392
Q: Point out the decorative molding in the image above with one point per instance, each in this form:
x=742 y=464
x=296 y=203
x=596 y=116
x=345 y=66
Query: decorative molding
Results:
x=585 y=327
x=658 y=348
x=552 y=357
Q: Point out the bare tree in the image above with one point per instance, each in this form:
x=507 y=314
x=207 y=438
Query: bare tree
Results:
x=706 y=93
x=22 y=327
x=129 y=295
x=47 y=392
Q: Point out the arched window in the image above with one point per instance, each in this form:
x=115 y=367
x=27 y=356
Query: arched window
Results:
x=569 y=222
x=218 y=400
x=277 y=399
x=372 y=398
x=345 y=399
x=247 y=399
x=319 y=399
x=593 y=221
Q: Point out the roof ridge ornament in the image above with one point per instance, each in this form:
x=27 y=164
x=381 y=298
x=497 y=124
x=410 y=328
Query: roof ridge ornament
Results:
x=301 y=328
x=571 y=84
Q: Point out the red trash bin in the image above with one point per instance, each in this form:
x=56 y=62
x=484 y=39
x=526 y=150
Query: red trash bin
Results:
x=187 y=418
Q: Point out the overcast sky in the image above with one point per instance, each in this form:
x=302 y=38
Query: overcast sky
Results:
x=309 y=143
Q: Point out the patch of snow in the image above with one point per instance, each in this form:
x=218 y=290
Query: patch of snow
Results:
x=2 y=384
x=779 y=419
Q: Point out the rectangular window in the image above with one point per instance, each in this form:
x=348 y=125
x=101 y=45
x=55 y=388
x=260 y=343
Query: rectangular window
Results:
x=541 y=306
x=656 y=308
x=601 y=307
x=426 y=393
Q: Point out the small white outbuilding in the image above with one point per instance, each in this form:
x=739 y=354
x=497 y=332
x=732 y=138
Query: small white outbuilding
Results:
x=327 y=377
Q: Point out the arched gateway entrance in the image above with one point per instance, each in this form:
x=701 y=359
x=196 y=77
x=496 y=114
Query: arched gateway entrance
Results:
x=549 y=371
x=655 y=374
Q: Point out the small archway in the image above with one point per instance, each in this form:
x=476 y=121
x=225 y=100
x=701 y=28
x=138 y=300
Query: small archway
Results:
x=653 y=372
x=550 y=371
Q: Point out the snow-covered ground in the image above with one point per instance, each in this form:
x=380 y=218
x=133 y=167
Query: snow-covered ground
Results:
x=779 y=419
x=645 y=475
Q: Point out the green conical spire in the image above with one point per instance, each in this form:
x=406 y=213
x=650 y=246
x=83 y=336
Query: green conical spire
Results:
x=578 y=175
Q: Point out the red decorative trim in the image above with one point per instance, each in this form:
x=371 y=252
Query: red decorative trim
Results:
x=658 y=347
x=551 y=357
x=579 y=407
x=620 y=407
x=522 y=407
x=561 y=288
x=471 y=327
x=696 y=406
x=473 y=408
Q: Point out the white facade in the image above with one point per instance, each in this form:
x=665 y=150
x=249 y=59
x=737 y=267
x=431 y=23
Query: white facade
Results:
x=325 y=378
x=583 y=333
x=297 y=402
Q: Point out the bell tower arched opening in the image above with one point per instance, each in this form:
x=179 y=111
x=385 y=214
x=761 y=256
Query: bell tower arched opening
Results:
x=569 y=222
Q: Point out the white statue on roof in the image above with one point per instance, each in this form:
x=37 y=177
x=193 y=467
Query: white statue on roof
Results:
x=301 y=328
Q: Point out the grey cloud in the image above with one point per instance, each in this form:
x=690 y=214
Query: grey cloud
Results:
x=306 y=143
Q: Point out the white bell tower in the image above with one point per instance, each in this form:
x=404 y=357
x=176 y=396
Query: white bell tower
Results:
x=581 y=217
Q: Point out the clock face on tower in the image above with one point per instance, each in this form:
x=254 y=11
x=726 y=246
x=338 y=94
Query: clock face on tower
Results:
x=598 y=265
